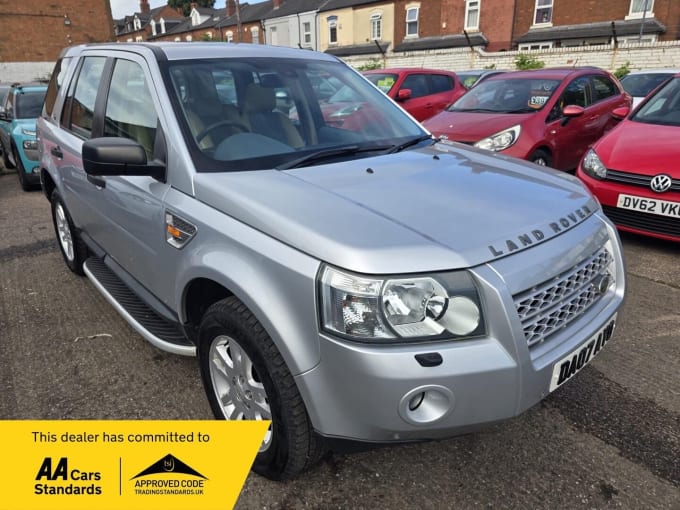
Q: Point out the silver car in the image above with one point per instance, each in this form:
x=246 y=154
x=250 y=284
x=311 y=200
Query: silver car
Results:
x=335 y=269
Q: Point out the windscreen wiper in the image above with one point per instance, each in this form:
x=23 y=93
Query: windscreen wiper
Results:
x=347 y=150
x=409 y=143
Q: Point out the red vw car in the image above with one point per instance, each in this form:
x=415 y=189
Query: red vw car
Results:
x=421 y=92
x=634 y=170
x=548 y=116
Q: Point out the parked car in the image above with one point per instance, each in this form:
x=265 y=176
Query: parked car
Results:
x=634 y=171
x=22 y=107
x=4 y=90
x=472 y=77
x=547 y=116
x=347 y=285
x=640 y=83
x=421 y=92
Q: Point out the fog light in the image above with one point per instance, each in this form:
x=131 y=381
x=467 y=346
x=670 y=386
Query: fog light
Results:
x=426 y=404
x=35 y=170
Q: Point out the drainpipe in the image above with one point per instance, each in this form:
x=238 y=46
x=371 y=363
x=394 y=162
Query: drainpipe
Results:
x=642 y=24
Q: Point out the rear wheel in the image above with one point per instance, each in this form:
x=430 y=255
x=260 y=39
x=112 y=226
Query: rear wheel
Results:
x=246 y=378
x=541 y=157
x=71 y=245
x=5 y=158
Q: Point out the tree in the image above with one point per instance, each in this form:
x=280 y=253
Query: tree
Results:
x=185 y=5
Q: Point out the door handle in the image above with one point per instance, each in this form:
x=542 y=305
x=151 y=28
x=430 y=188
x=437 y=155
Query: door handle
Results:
x=56 y=152
x=97 y=181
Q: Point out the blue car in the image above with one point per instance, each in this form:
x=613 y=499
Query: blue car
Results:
x=21 y=108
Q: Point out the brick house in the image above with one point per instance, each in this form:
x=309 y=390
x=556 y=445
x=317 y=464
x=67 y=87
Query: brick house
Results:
x=147 y=23
x=544 y=24
x=356 y=27
x=37 y=30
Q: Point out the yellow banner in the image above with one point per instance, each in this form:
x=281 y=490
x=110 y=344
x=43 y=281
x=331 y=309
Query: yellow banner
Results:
x=145 y=465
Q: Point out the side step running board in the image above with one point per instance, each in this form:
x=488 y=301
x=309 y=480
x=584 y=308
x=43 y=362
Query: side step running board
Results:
x=160 y=332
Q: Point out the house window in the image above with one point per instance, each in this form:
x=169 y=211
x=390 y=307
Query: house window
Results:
x=137 y=23
x=273 y=37
x=638 y=8
x=472 y=15
x=332 y=29
x=536 y=46
x=376 y=26
x=189 y=38
x=139 y=38
x=162 y=26
x=256 y=35
x=177 y=39
x=153 y=27
x=544 y=9
x=230 y=36
x=307 y=32
x=645 y=39
x=195 y=18
x=412 y=22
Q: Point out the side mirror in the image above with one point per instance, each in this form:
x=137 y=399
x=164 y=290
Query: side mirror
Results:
x=621 y=112
x=403 y=94
x=118 y=156
x=572 y=110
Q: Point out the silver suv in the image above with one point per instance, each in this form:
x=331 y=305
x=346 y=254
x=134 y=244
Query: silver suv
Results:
x=335 y=269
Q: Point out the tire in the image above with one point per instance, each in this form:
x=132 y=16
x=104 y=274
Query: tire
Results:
x=541 y=157
x=245 y=377
x=5 y=159
x=72 y=247
x=21 y=172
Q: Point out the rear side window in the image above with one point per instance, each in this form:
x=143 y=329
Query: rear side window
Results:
x=441 y=83
x=55 y=84
x=603 y=88
x=78 y=111
x=130 y=112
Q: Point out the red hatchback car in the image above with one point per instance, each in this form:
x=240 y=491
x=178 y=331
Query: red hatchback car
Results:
x=548 y=116
x=421 y=92
x=635 y=169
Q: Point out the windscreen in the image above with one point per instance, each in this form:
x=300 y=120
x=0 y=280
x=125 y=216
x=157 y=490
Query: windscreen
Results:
x=663 y=107
x=516 y=95
x=29 y=104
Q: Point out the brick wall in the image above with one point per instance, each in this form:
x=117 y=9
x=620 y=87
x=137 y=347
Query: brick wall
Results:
x=34 y=30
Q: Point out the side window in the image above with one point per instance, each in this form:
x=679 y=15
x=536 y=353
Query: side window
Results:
x=82 y=102
x=9 y=105
x=603 y=88
x=56 y=81
x=130 y=112
x=576 y=93
x=441 y=83
x=417 y=83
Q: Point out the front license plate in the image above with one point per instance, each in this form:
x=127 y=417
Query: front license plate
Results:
x=649 y=205
x=565 y=368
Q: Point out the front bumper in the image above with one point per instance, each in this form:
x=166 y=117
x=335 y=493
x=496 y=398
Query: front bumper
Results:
x=382 y=393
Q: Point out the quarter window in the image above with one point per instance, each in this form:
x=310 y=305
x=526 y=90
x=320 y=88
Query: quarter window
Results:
x=376 y=26
x=543 y=12
x=472 y=14
x=130 y=112
x=440 y=83
x=412 y=22
x=81 y=103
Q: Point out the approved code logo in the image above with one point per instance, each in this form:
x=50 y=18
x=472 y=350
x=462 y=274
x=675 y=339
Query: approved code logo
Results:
x=169 y=476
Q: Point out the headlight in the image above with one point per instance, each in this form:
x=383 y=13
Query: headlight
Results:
x=30 y=145
x=592 y=165
x=28 y=132
x=501 y=140
x=385 y=310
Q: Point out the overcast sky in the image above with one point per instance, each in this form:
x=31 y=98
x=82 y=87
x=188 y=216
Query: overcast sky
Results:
x=120 y=8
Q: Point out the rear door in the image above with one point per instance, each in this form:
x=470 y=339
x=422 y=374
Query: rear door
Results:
x=606 y=97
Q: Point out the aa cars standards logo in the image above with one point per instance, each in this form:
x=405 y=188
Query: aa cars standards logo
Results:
x=169 y=476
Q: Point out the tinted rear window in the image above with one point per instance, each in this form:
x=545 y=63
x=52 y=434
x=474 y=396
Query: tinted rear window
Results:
x=29 y=105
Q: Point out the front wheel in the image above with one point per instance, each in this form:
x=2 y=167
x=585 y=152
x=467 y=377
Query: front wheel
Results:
x=541 y=157
x=246 y=378
x=71 y=245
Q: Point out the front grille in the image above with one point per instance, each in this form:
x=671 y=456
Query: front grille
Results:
x=637 y=179
x=654 y=223
x=548 y=307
